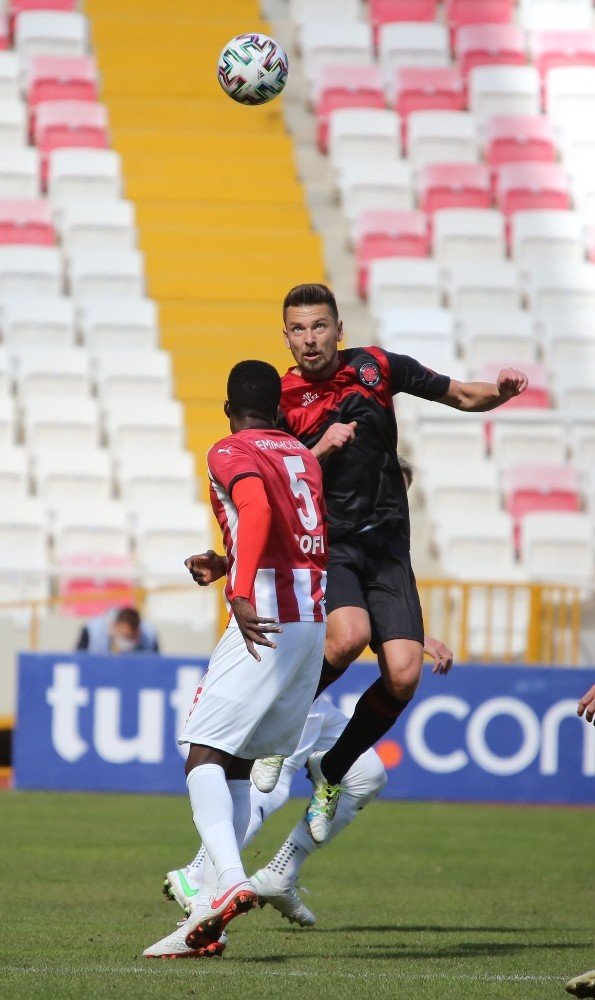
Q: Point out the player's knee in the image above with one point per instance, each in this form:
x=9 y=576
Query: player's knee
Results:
x=343 y=648
x=402 y=683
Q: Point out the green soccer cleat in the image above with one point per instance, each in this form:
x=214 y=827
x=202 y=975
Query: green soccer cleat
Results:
x=582 y=986
x=177 y=887
x=323 y=804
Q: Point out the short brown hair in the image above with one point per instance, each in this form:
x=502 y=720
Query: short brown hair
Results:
x=311 y=295
x=128 y=616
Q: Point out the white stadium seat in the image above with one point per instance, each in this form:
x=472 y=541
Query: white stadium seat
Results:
x=366 y=185
x=581 y=435
x=9 y=76
x=137 y=424
x=446 y=491
x=30 y=270
x=23 y=534
x=464 y=234
x=110 y=272
x=73 y=477
x=403 y=281
x=13 y=122
x=479 y=284
x=92 y=529
x=439 y=439
x=489 y=335
x=19 y=173
x=116 y=323
x=475 y=545
x=518 y=435
x=76 y=174
x=570 y=92
x=166 y=535
x=551 y=15
x=424 y=323
x=332 y=41
x=7 y=422
x=55 y=33
x=504 y=90
x=442 y=137
x=14 y=475
x=304 y=11
x=6 y=378
x=558 y=546
x=367 y=132
x=38 y=322
x=561 y=286
x=198 y=606
x=408 y=43
x=144 y=484
x=53 y=423
x=61 y=372
x=97 y=223
x=130 y=374
x=545 y=235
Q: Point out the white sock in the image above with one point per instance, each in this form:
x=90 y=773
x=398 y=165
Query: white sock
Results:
x=212 y=812
x=262 y=804
x=195 y=870
x=239 y=789
x=291 y=855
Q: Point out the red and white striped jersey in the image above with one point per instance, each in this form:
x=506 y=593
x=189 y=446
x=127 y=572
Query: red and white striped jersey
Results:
x=290 y=581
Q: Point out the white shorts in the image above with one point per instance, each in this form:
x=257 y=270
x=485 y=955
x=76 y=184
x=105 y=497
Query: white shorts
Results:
x=250 y=709
x=324 y=725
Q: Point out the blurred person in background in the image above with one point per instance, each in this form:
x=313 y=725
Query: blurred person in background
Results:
x=120 y=630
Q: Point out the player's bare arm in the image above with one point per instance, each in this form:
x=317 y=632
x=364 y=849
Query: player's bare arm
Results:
x=440 y=653
x=206 y=567
x=586 y=705
x=476 y=397
x=337 y=436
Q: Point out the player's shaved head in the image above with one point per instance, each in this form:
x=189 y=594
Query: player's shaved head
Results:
x=254 y=390
x=311 y=295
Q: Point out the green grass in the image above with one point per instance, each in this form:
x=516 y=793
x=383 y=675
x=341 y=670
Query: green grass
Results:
x=440 y=901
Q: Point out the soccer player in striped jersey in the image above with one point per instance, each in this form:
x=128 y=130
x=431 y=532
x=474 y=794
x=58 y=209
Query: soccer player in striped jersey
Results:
x=266 y=492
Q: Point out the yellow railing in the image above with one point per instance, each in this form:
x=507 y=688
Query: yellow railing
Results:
x=500 y=622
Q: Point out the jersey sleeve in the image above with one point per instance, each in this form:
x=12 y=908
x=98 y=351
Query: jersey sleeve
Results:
x=410 y=376
x=229 y=462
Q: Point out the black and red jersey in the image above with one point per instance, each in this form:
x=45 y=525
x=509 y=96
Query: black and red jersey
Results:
x=362 y=482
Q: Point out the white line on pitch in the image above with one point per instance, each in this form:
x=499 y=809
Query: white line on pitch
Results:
x=219 y=971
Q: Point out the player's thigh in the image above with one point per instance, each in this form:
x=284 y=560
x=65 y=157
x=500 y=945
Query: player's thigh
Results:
x=391 y=595
x=345 y=601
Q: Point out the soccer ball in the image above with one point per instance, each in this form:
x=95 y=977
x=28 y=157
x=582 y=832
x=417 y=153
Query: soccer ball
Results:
x=252 y=68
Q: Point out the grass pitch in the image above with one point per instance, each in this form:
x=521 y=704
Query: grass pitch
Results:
x=413 y=900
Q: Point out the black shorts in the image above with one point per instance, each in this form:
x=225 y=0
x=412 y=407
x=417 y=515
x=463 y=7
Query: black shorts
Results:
x=373 y=571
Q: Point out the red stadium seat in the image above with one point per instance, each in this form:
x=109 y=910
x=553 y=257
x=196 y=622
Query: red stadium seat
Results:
x=341 y=86
x=4 y=32
x=26 y=221
x=526 y=186
x=530 y=488
x=388 y=11
x=537 y=394
x=388 y=234
x=87 y=574
x=489 y=44
x=61 y=124
x=61 y=78
x=519 y=138
x=428 y=88
x=454 y=185
x=563 y=48
x=461 y=12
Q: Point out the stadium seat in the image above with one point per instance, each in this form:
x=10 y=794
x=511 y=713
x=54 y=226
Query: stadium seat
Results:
x=454 y=185
x=519 y=138
x=73 y=477
x=81 y=174
x=165 y=535
x=4 y=31
x=6 y=375
x=37 y=322
x=558 y=546
x=551 y=15
x=23 y=534
x=124 y=324
x=426 y=323
x=29 y=270
x=95 y=529
x=412 y=44
x=84 y=577
x=383 y=12
x=340 y=86
x=442 y=137
x=581 y=435
x=131 y=374
x=436 y=353
x=488 y=335
x=461 y=12
x=19 y=173
x=529 y=488
x=14 y=473
x=542 y=236
x=26 y=221
x=13 y=123
x=517 y=434
x=63 y=372
x=530 y=186
x=562 y=48
x=489 y=45
x=570 y=92
x=304 y=11
x=60 y=424
x=504 y=90
x=363 y=132
x=375 y=185
x=133 y=425
x=98 y=271
x=463 y=234
x=403 y=281
x=536 y=395
x=63 y=124
x=475 y=545
x=8 y=424
x=570 y=351
x=9 y=76
x=427 y=88
x=16 y=7
x=97 y=223
x=388 y=234
x=143 y=485
x=56 y=33
x=446 y=491
x=483 y=284
x=334 y=41
x=55 y=78
x=583 y=186
x=561 y=286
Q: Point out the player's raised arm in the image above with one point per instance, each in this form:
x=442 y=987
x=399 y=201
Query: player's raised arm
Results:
x=476 y=397
x=206 y=567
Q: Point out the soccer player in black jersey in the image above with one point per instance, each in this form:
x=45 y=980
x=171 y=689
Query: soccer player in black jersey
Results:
x=340 y=404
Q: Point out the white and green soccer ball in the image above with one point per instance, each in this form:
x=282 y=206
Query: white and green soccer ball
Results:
x=252 y=68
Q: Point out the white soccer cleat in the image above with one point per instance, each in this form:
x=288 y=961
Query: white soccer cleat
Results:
x=174 y=946
x=582 y=986
x=283 y=896
x=265 y=772
x=323 y=804
x=206 y=924
x=177 y=887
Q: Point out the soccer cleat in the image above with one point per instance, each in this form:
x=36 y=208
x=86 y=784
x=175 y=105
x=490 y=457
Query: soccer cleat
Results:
x=177 y=887
x=174 y=946
x=323 y=804
x=582 y=986
x=283 y=896
x=265 y=772
x=207 y=923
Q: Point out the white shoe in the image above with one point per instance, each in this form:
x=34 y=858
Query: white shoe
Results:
x=582 y=986
x=206 y=924
x=283 y=896
x=177 y=887
x=174 y=946
x=323 y=804
x=265 y=772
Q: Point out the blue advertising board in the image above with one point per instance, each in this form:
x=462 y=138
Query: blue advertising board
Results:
x=482 y=734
